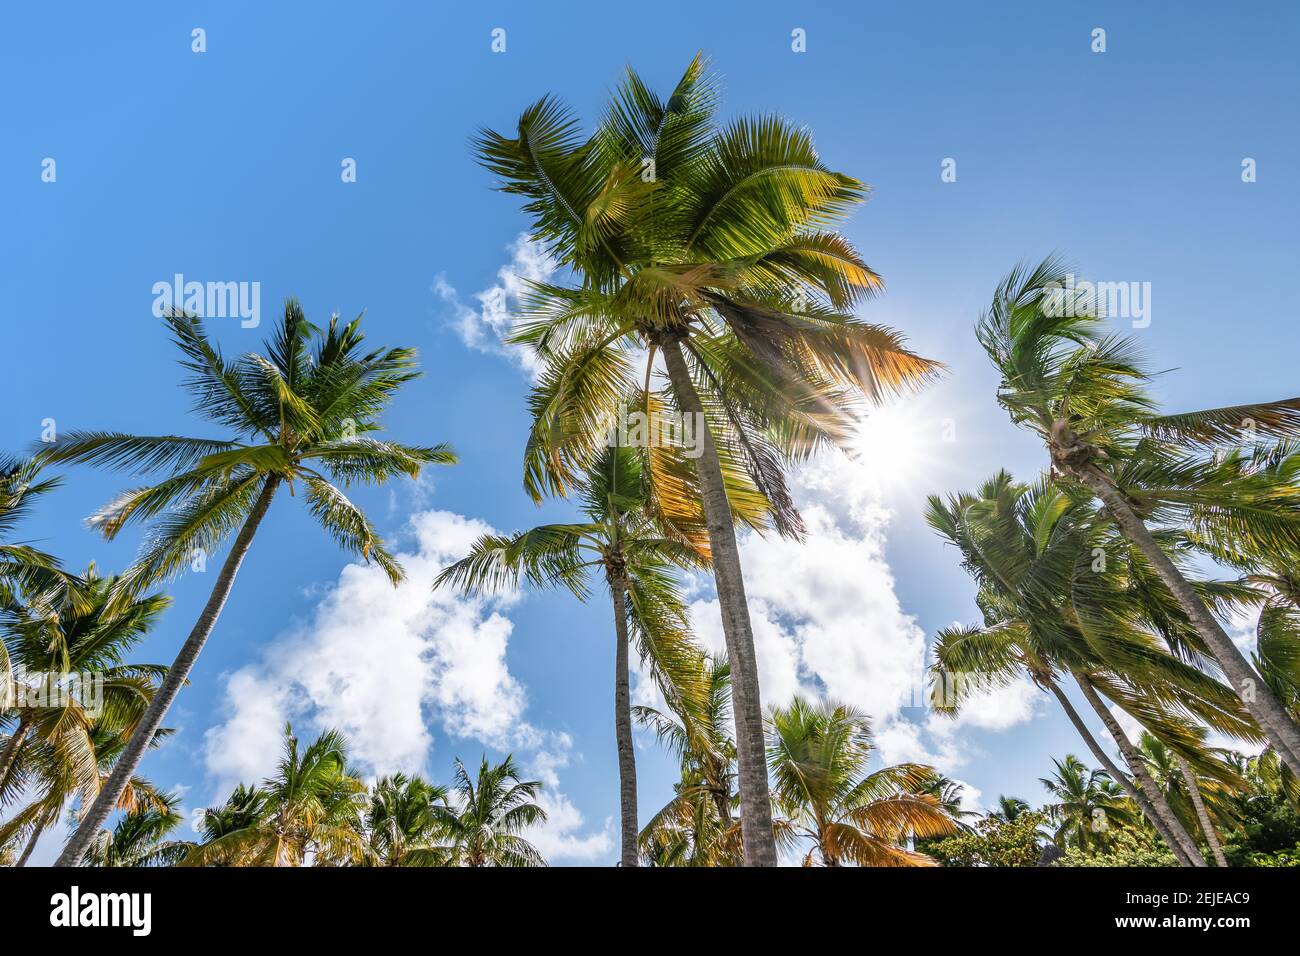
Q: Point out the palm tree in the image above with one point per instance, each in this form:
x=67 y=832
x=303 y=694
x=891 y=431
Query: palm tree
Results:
x=622 y=540
x=240 y=813
x=1187 y=791
x=402 y=825
x=1010 y=809
x=1085 y=395
x=1059 y=596
x=140 y=837
x=710 y=247
x=310 y=809
x=697 y=827
x=26 y=572
x=74 y=677
x=1277 y=630
x=302 y=415
x=819 y=755
x=949 y=793
x=488 y=815
x=55 y=777
x=32 y=585
x=1088 y=807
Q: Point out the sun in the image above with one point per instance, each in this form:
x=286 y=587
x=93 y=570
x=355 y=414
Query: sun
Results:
x=896 y=448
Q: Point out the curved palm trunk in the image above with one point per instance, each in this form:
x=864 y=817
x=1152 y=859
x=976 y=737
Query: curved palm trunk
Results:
x=12 y=749
x=1139 y=769
x=1120 y=777
x=31 y=844
x=623 y=730
x=1259 y=701
x=1202 y=815
x=177 y=675
x=751 y=749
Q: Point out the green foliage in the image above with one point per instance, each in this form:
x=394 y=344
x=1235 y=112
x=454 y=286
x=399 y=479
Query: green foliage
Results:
x=305 y=414
x=140 y=837
x=1267 y=820
x=726 y=251
x=1289 y=857
x=1125 y=848
x=994 y=841
x=491 y=813
x=697 y=827
x=309 y=808
x=819 y=754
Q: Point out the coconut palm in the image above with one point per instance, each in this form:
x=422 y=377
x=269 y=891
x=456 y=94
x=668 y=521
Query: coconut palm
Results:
x=623 y=542
x=1010 y=809
x=1195 y=797
x=240 y=813
x=26 y=572
x=709 y=247
x=1277 y=629
x=1085 y=394
x=402 y=825
x=1061 y=597
x=303 y=415
x=949 y=793
x=140 y=836
x=32 y=584
x=1088 y=805
x=488 y=814
x=53 y=779
x=698 y=826
x=73 y=676
x=308 y=810
x=819 y=755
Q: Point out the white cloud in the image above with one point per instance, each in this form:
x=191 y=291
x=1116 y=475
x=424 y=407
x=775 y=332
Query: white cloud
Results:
x=485 y=326
x=561 y=836
x=1001 y=708
x=385 y=665
x=972 y=797
x=1243 y=624
x=828 y=622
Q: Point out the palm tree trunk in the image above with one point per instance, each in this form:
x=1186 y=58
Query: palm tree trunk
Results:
x=12 y=749
x=623 y=729
x=1259 y=701
x=31 y=844
x=751 y=749
x=177 y=675
x=1139 y=769
x=1120 y=777
x=1194 y=788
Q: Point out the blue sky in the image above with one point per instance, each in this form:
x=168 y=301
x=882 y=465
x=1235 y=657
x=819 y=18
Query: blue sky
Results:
x=225 y=165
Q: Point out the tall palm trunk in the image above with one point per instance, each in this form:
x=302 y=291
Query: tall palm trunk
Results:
x=12 y=749
x=177 y=675
x=1194 y=788
x=1139 y=769
x=751 y=749
x=1120 y=777
x=1259 y=701
x=31 y=843
x=623 y=729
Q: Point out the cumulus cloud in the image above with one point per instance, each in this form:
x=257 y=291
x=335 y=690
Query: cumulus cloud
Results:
x=828 y=622
x=386 y=666
x=562 y=836
x=484 y=325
